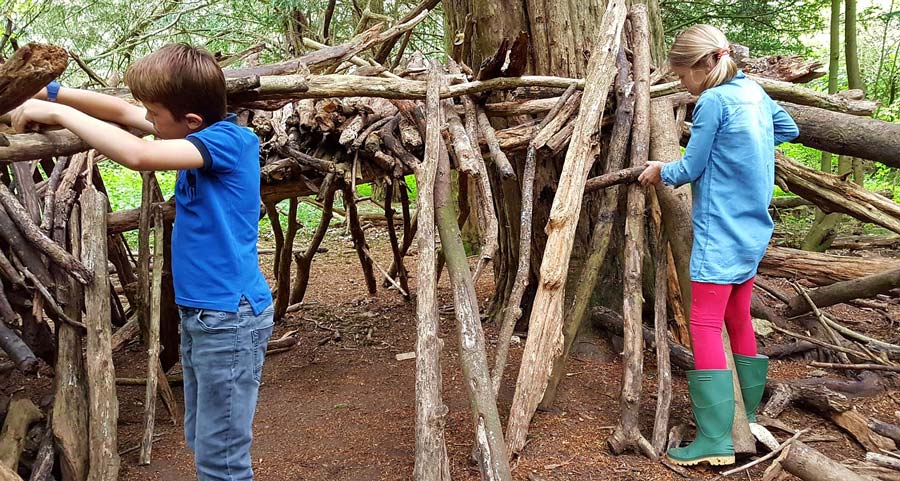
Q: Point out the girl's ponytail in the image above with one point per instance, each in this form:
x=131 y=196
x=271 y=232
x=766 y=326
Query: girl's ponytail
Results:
x=704 y=43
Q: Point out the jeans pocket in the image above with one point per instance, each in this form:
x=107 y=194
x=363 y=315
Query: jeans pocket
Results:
x=260 y=339
x=217 y=321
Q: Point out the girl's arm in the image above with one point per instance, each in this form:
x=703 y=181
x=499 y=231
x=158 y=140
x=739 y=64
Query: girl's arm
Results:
x=707 y=118
x=785 y=128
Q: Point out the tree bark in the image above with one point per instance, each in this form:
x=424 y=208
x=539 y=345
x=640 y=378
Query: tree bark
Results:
x=810 y=465
x=152 y=339
x=545 y=325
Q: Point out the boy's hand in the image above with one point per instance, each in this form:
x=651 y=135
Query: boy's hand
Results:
x=650 y=175
x=32 y=113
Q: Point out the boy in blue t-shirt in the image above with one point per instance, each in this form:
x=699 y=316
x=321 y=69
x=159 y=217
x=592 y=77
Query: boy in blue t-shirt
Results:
x=224 y=301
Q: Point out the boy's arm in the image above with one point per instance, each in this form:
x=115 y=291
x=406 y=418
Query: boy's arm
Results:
x=103 y=107
x=111 y=141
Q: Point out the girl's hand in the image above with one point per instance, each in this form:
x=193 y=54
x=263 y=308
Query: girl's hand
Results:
x=650 y=175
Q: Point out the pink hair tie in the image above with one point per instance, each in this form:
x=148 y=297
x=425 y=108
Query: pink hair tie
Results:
x=722 y=53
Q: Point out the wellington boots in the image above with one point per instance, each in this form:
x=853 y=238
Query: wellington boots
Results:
x=712 y=395
x=751 y=373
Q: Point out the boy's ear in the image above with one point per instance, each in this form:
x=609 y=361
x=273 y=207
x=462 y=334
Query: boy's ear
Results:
x=193 y=121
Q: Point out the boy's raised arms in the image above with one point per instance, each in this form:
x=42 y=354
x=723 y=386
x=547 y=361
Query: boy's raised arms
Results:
x=120 y=146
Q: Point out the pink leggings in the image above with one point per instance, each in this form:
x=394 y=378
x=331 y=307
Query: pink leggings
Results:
x=711 y=303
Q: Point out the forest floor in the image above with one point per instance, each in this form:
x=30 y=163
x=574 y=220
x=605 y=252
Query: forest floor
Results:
x=341 y=407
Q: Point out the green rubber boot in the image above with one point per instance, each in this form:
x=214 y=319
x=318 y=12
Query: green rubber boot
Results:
x=712 y=395
x=751 y=373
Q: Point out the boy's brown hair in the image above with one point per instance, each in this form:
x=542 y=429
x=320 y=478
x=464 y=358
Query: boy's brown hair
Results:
x=181 y=78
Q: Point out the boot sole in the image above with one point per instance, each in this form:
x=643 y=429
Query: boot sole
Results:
x=712 y=460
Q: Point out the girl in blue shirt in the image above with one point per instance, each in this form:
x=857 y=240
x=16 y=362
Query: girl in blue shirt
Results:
x=730 y=164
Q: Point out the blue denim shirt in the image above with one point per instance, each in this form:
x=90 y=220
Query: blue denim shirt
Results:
x=730 y=163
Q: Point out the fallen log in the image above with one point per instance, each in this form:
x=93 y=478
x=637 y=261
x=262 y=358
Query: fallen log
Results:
x=29 y=70
x=831 y=404
x=821 y=269
x=844 y=291
x=846 y=134
x=833 y=194
x=860 y=242
x=808 y=464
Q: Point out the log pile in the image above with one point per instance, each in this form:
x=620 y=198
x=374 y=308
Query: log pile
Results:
x=322 y=134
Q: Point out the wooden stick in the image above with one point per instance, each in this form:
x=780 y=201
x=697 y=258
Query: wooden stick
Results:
x=395 y=246
x=545 y=326
x=768 y=456
x=821 y=343
x=70 y=404
x=627 y=435
x=601 y=235
x=104 y=411
x=34 y=235
x=513 y=311
x=359 y=239
x=493 y=461
x=431 y=462
x=21 y=415
x=152 y=339
x=661 y=332
x=857 y=367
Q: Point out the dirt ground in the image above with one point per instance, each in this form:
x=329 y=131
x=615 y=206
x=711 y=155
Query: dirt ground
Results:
x=339 y=406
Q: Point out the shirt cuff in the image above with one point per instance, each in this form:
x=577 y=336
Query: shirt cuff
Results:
x=204 y=152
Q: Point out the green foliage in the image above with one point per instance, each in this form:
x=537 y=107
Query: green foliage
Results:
x=767 y=27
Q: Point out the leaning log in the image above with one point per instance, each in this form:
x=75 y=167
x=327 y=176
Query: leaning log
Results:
x=70 y=404
x=545 y=326
x=104 y=407
x=821 y=269
x=431 y=450
x=844 y=291
x=29 y=70
x=493 y=461
x=19 y=352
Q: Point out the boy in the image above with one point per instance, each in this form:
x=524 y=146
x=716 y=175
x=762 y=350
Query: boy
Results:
x=224 y=301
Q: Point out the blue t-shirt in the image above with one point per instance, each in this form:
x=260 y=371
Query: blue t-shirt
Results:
x=214 y=258
x=730 y=163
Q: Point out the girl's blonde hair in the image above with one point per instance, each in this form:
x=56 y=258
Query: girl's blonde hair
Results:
x=704 y=43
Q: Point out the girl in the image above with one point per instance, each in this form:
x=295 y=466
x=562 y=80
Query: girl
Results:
x=730 y=163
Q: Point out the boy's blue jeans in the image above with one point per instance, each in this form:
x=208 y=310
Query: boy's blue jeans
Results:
x=222 y=355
